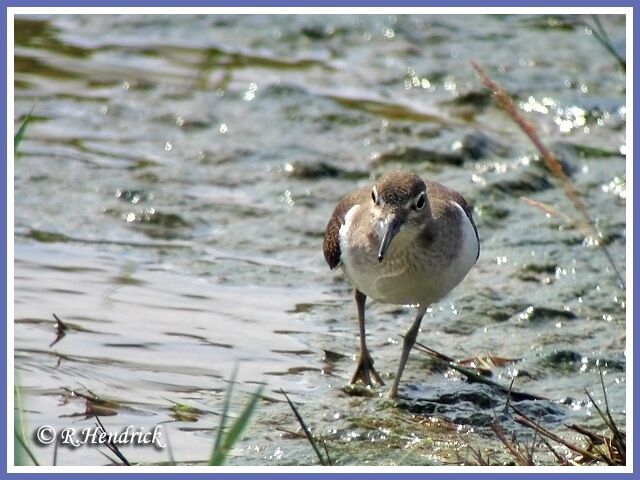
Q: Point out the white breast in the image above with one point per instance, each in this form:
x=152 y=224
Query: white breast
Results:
x=404 y=277
x=359 y=272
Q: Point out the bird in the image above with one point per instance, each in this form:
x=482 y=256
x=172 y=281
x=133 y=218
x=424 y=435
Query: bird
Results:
x=405 y=241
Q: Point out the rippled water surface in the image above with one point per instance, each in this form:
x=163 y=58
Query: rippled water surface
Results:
x=172 y=191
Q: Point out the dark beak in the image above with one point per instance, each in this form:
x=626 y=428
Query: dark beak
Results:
x=391 y=227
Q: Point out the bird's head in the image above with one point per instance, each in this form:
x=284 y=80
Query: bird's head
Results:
x=400 y=202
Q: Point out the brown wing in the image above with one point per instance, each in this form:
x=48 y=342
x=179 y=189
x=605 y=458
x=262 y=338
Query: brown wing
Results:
x=435 y=189
x=331 y=245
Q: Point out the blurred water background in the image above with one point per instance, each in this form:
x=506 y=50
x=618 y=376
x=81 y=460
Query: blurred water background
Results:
x=172 y=191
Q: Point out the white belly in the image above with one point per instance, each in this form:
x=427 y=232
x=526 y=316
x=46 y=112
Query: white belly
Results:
x=410 y=273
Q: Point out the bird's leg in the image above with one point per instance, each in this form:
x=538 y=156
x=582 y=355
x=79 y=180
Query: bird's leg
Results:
x=409 y=340
x=365 y=369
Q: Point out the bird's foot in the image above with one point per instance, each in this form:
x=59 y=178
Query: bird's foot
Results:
x=364 y=372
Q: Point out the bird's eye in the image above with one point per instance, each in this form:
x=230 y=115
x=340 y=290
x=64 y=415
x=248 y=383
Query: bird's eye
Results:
x=374 y=195
x=420 y=202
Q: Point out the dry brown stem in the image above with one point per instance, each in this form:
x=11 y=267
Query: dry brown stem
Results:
x=550 y=161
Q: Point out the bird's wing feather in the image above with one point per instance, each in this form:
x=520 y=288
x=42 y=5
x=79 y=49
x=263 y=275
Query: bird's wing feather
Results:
x=438 y=191
x=331 y=245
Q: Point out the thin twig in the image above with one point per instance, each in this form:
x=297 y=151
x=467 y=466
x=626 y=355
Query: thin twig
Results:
x=601 y=35
x=111 y=459
x=111 y=445
x=595 y=438
x=54 y=462
x=305 y=429
x=477 y=453
x=618 y=437
x=523 y=419
x=612 y=423
x=560 y=458
x=471 y=375
x=550 y=161
x=535 y=437
x=326 y=452
x=547 y=209
x=509 y=446
x=506 y=406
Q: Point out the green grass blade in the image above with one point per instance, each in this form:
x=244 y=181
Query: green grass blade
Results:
x=19 y=416
x=18 y=457
x=220 y=454
x=20 y=446
x=23 y=127
x=225 y=411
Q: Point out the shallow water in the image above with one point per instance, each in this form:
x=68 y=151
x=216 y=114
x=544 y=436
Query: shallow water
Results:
x=172 y=191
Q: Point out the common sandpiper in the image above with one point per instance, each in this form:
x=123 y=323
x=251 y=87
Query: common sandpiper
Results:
x=403 y=241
